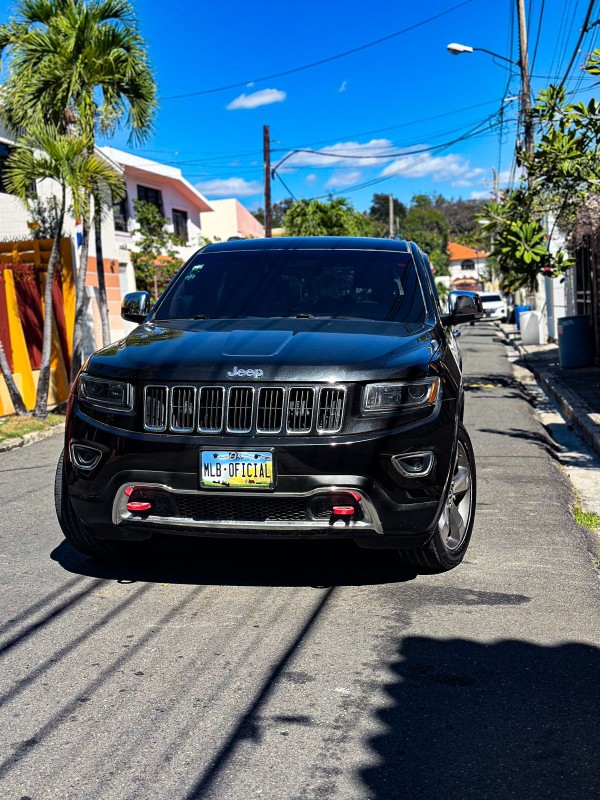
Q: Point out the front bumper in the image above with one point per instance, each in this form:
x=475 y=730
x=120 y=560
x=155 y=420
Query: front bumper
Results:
x=309 y=471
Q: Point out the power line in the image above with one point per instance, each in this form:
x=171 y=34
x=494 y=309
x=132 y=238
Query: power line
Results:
x=582 y=33
x=365 y=184
x=537 y=38
x=226 y=156
x=322 y=60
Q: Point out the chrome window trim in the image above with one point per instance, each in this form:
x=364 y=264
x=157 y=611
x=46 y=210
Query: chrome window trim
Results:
x=154 y=428
x=176 y=429
x=336 y=387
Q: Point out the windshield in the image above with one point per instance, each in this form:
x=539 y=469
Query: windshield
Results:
x=491 y=298
x=374 y=285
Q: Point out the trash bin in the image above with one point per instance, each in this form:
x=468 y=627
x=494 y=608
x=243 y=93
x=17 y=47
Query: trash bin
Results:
x=575 y=343
x=518 y=311
x=532 y=327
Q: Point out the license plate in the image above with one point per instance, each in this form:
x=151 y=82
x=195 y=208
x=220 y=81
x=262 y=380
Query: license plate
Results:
x=244 y=469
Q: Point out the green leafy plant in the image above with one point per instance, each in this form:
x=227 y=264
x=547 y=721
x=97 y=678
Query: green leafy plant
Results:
x=155 y=259
x=334 y=218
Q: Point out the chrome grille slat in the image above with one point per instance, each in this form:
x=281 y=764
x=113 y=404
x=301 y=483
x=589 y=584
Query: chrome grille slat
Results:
x=239 y=409
x=330 y=414
x=182 y=409
x=269 y=417
x=155 y=408
x=210 y=414
x=300 y=409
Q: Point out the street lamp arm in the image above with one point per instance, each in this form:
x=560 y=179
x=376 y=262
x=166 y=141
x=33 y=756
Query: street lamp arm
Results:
x=456 y=49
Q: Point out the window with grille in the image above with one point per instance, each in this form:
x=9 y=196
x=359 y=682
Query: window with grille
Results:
x=149 y=195
x=180 y=220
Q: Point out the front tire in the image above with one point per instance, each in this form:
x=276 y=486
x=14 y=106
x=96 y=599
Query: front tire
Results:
x=82 y=540
x=450 y=539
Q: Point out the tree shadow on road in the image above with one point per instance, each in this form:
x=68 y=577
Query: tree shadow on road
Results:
x=501 y=721
x=538 y=438
x=247 y=562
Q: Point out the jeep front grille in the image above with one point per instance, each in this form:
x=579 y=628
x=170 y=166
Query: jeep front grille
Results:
x=244 y=409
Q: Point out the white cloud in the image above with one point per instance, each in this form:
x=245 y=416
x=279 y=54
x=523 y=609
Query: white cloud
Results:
x=376 y=147
x=263 y=98
x=345 y=178
x=343 y=86
x=230 y=187
x=311 y=178
x=453 y=168
x=485 y=195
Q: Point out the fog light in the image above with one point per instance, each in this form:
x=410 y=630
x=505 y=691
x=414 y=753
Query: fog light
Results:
x=85 y=457
x=414 y=465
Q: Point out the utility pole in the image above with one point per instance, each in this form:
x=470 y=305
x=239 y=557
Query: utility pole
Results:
x=391 y=213
x=267 y=163
x=525 y=81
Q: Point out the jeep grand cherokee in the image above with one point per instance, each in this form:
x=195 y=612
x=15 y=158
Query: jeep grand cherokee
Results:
x=284 y=388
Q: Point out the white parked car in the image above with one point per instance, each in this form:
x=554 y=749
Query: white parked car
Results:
x=494 y=306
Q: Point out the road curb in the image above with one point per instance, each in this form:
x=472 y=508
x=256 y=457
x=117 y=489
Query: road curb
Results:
x=31 y=438
x=572 y=407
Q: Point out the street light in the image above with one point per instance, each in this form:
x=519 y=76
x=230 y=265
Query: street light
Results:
x=456 y=49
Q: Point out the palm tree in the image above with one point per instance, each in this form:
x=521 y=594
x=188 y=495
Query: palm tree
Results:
x=44 y=153
x=79 y=64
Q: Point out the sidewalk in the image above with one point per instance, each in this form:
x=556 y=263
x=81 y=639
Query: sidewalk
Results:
x=577 y=391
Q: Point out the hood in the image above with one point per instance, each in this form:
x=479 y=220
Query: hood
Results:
x=269 y=350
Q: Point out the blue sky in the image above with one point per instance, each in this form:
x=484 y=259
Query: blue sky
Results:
x=404 y=94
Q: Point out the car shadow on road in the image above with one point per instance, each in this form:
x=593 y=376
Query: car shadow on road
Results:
x=246 y=562
x=499 y=721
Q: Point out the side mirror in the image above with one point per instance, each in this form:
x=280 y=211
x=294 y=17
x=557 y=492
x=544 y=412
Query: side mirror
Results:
x=462 y=307
x=135 y=306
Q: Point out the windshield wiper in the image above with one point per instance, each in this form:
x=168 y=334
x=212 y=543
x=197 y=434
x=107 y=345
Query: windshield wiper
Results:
x=201 y=316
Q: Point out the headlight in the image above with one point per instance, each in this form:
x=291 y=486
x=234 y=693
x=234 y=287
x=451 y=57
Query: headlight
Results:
x=108 y=394
x=397 y=396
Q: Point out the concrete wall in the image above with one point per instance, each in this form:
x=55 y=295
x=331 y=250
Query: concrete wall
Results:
x=230 y=218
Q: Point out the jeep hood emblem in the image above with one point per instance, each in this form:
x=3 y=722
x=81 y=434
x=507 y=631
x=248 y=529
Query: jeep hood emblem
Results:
x=245 y=373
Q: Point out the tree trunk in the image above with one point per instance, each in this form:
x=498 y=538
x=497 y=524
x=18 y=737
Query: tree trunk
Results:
x=41 y=400
x=80 y=302
x=13 y=389
x=102 y=302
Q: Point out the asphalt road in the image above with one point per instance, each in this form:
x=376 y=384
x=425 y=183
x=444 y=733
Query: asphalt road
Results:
x=313 y=671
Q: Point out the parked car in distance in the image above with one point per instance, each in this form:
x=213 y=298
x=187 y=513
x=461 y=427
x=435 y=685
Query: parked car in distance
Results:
x=278 y=388
x=494 y=306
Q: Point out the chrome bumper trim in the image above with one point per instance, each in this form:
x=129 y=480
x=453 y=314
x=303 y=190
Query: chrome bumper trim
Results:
x=370 y=521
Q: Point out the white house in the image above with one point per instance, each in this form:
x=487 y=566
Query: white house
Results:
x=166 y=188
x=468 y=267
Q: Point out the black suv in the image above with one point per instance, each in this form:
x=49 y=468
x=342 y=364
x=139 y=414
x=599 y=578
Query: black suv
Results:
x=284 y=388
